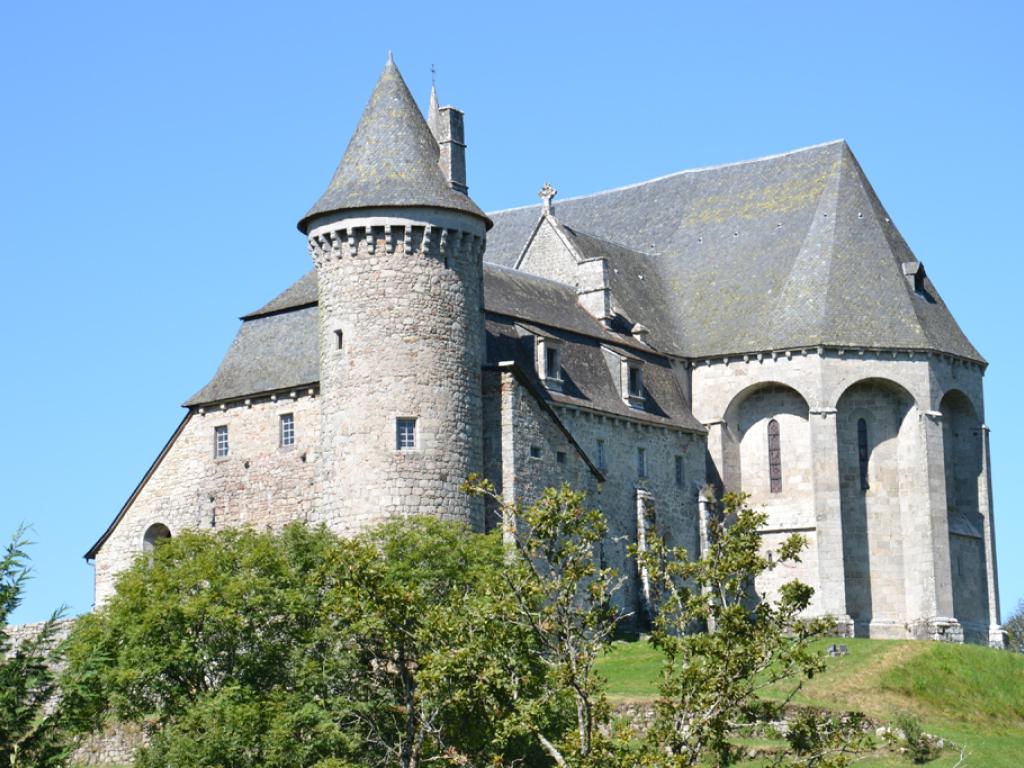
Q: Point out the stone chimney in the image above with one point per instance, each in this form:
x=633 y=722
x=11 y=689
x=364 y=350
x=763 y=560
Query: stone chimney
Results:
x=451 y=139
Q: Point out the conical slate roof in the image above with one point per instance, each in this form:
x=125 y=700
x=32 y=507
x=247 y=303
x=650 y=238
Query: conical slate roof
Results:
x=391 y=159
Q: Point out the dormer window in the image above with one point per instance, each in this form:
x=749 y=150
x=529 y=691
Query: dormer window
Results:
x=552 y=364
x=915 y=274
x=633 y=383
x=549 y=362
x=636 y=386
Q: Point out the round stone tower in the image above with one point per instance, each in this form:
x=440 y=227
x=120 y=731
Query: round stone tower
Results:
x=398 y=248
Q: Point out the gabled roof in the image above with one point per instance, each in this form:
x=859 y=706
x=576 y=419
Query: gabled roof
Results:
x=783 y=252
x=630 y=277
x=391 y=160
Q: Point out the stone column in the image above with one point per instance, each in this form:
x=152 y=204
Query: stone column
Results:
x=927 y=567
x=996 y=634
x=828 y=518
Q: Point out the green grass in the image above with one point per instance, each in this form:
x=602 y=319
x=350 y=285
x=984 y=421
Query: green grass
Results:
x=968 y=694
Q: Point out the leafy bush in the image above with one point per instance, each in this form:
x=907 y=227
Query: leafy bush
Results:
x=920 y=746
x=1015 y=629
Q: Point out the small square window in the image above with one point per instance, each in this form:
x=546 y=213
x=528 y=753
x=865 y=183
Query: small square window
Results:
x=287 y=429
x=560 y=457
x=220 y=442
x=534 y=451
x=680 y=471
x=601 y=462
x=641 y=463
x=405 y=434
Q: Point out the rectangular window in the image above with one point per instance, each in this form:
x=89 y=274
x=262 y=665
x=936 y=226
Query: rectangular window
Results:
x=636 y=384
x=220 y=442
x=601 y=463
x=774 y=457
x=680 y=471
x=287 y=429
x=641 y=463
x=560 y=457
x=405 y=434
x=552 y=365
x=534 y=452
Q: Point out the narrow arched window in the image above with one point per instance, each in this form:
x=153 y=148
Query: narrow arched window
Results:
x=862 y=452
x=774 y=457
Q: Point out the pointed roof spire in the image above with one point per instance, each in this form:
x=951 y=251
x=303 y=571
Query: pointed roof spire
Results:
x=433 y=113
x=391 y=160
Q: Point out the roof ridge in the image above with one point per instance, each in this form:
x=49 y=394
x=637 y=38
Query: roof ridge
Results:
x=699 y=169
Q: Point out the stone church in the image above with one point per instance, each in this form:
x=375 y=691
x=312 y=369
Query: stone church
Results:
x=760 y=326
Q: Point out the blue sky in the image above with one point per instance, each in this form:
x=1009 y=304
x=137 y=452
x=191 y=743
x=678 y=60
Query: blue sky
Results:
x=154 y=161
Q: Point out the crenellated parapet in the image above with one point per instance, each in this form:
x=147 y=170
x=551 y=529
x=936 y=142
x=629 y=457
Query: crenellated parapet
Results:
x=440 y=242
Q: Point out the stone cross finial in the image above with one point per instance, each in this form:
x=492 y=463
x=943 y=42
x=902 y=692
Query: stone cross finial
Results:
x=546 y=193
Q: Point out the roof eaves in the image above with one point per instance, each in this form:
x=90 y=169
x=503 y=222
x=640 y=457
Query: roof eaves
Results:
x=281 y=311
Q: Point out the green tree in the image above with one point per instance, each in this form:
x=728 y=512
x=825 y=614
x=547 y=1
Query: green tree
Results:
x=428 y=654
x=566 y=600
x=744 y=643
x=303 y=649
x=31 y=727
x=1014 y=627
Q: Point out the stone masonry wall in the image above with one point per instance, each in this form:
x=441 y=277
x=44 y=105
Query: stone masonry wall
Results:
x=914 y=533
x=531 y=443
x=873 y=529
x=117 y=742
x=549 y=256
x=259 y=483
x=404 y=290
x=791 y=509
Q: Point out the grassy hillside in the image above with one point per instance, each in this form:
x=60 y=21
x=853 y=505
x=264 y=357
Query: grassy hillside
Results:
x=970 y=695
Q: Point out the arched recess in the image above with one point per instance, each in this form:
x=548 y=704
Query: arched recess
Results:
x=156 y=533
x=962 y=448
x=768 y=456
x=877 y=430
x=746 y=451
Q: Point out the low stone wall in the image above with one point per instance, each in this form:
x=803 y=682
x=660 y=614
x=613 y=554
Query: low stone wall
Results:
x=114 y=745
x=19 y=633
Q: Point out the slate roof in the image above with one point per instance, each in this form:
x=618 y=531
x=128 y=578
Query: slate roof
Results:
x=391 y=159
x=783 y=252
x=630 y=277
x=590 y=380
x=276 y=347
x=270 y=353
